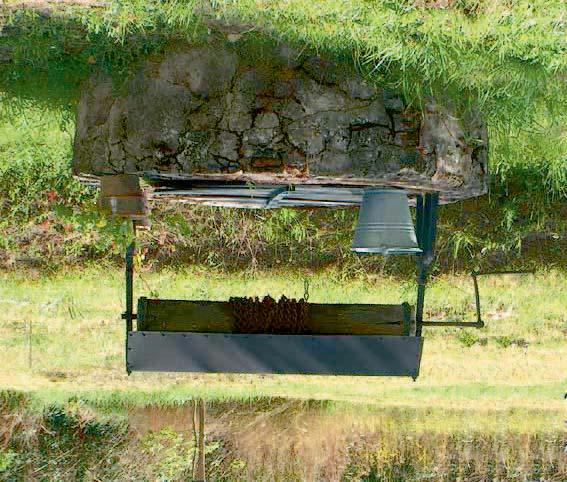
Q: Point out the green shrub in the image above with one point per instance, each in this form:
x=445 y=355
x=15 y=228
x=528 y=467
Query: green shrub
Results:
x=467 y=338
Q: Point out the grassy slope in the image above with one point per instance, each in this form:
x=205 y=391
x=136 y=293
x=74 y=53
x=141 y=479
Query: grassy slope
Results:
x=507 y=58
x=516 y=364
x=48 y=220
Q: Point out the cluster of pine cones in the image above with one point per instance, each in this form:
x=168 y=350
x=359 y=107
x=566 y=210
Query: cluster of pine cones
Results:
x=285 y=316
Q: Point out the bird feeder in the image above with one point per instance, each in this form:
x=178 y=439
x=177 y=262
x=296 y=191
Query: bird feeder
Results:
x=325 y=339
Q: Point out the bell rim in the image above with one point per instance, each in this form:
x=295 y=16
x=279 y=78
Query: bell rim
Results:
x=387 y=251
x=383 y=190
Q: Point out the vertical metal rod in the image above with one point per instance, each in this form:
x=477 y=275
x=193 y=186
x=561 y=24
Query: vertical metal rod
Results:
x=420 y=222
x=421 y=280
x=130 y=285
x=427 y=226
x=129 y=314
x=477 y=299
x=432 y=215
x=419 y=219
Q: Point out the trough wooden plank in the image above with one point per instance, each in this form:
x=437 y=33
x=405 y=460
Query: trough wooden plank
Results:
x=217 y=317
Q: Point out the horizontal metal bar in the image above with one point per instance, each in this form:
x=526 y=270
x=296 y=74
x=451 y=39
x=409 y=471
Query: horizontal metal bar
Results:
x=488 y=273
x=236 y=202
x=469 y=324
x=263 y=196
x=232 y=191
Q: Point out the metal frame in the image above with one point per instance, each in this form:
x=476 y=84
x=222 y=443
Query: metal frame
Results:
x=369 y=355
x=426 y=227
x=426 y=232
x=259 y=353
x=479 y=323
x=129 y=315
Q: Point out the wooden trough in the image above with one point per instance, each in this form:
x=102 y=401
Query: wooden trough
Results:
x=323 y=319
x=340 y=339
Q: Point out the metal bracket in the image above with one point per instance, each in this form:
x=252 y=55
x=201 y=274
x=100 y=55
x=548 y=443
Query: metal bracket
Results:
x=280 y=194
x=426 y=227
x=479 y=323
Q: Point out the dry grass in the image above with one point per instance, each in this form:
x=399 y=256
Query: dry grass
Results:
x=518 y=361
x=487 y=406
x=283 y=440
x=268 y=440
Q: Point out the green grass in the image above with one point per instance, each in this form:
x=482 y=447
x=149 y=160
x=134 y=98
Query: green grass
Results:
x=515 y=50
x=481 y=407
x=502 y=53
x=49 y=220
x=77 y=342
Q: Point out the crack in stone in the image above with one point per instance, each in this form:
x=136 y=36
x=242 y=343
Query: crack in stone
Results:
x=209 y=132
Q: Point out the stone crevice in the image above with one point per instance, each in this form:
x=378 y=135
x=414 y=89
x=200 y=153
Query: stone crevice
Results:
x=209 y=110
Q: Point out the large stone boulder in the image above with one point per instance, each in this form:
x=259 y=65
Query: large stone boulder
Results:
x=214 y=112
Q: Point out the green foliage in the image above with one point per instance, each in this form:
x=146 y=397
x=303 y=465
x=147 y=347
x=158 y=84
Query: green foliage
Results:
x=507 y=341
x=505 y=58
x=7 y=458
x=10 y=400
x=170 y=452
x=44 y=210
x=467 y=338
x=67 y=443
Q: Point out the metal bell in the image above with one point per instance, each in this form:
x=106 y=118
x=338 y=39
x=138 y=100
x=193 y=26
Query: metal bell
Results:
x=384 y=224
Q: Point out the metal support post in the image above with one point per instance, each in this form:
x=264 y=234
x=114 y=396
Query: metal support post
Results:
x=426 y=232
x=129 y=315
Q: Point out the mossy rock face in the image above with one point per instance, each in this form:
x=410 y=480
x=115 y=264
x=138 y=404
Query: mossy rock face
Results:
x=221 y=113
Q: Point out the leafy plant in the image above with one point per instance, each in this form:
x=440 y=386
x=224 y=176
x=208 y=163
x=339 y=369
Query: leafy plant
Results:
x=467 y=338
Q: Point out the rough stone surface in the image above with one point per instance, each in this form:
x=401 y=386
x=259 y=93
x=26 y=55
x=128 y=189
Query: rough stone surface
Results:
x=213 y=111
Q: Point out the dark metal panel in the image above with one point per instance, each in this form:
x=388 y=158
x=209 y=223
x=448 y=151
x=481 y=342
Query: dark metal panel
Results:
x=299 y=354
x=329 y=194
x=267 y=197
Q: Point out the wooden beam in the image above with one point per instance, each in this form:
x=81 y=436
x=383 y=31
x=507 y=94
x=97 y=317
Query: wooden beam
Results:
x=324 y=319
